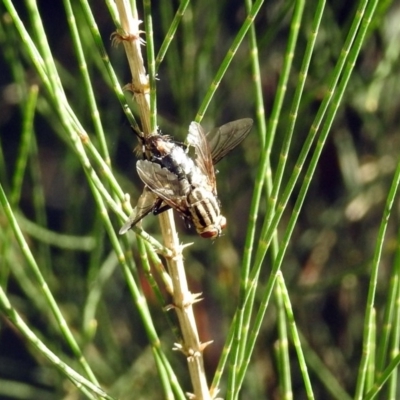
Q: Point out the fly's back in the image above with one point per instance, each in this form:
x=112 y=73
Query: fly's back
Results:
x=174 y=180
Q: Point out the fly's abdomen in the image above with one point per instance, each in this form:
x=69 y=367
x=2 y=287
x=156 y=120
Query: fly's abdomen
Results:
x=205 y=212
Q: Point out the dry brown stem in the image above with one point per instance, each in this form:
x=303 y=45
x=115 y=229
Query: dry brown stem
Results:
x=183 y=299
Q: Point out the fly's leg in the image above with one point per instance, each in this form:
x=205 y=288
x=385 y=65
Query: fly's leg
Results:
x=159 y=207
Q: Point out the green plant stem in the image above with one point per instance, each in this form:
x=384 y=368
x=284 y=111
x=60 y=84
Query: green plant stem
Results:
x=94 y=112
x=369 y=380
x=314 y=363
x=373 y=282
x=394 y=348
x=101 y=49
x=246 y=290
x=387 y=373
x=44 y=288
x=82 y=243
x=151 y=63
x=22 y=159
x=282 y=345
x=82 y=384
x=352 y=56
x=171 y=33
x=228 y=58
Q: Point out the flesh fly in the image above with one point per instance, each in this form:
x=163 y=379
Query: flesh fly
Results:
x=174 y=180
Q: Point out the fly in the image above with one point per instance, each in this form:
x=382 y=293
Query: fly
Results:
x=175 y=180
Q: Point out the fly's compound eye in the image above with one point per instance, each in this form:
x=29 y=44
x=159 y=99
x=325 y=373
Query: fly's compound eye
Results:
x=210 y=233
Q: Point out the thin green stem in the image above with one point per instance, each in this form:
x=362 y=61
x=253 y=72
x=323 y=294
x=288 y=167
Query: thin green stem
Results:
x=26 y=137
x=81 y=383
x=315 y=364
x=282 y=302
x=380 y=239
x=171 y=32
x=164 y=377
x=373 y=282
x=369 y=380
x=269 y=228
x=44 y=288
x=102 y=51
x=239 y=338
x=228 y=58
x=137 y=296
x=173 y=70
x=39 y=203
x=95 y=292
x=394 y=345
x=387 y=323
x=83 y=67
x=81 y=243
x=304 y=188
x=387 y=373
x=148 y=22
x=224 y=357
x=245 y=309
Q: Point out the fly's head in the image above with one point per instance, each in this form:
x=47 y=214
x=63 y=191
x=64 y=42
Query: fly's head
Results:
x=156 y=145
x=213 y=231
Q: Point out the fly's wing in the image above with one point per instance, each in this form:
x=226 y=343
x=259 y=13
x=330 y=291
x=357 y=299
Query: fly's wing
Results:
x=197 y=138
x=225 y=138
x=146 y=203
x=164 y=184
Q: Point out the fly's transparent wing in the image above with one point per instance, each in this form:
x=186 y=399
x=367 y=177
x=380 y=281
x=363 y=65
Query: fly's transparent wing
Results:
x=147 y=202
x=164 y=184
x=225 y=138
x=197 y=138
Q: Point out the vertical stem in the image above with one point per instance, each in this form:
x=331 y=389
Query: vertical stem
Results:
x=183 y=299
